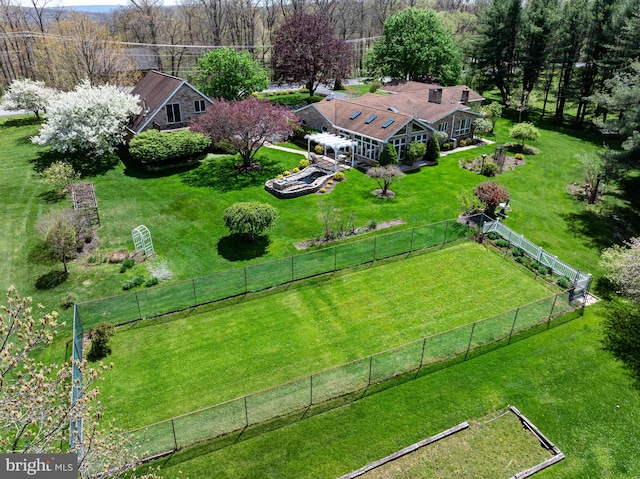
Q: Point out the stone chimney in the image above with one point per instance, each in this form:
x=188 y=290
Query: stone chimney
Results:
x=465 y=96
x=435 y=95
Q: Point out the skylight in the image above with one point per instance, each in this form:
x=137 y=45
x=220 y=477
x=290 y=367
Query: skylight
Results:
x=387 y=123
x=355 y=115
x=370 y=119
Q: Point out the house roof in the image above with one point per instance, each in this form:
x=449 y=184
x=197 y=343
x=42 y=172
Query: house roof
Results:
x=449 y=93
x=371 y=121
x=155 y=90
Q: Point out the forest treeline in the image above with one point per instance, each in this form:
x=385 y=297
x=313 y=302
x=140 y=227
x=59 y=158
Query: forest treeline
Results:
x=563 y=50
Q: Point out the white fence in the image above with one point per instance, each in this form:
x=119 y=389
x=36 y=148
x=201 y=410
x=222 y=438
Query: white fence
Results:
x=581 y=281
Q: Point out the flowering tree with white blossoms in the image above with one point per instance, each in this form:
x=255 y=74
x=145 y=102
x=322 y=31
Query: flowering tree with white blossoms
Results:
x=35 y=398
x=28 y=95
x=88 y=119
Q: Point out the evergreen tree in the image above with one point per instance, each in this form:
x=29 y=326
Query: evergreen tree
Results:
x=388 y=156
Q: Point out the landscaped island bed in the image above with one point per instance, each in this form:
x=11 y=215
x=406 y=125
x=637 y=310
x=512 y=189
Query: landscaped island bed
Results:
x=169 y=366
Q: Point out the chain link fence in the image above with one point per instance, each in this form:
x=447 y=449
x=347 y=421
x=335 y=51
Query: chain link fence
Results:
x=301 y=394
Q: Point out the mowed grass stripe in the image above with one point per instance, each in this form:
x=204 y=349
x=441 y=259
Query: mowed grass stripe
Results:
x=178 y=366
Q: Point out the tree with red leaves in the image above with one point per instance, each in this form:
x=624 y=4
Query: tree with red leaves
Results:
x=306 y=52
x=244 y=126
x=491 y=194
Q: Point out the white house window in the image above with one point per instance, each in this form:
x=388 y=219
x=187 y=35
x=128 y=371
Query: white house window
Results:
x=463 y=127
x=200 y=106
x=444 y=126
x=366 y=147
x=399 y=144
x=173 y=113
x=422 y=137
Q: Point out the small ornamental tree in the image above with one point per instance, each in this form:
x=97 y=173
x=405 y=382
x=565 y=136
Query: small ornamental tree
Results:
x=250 y=218
x=244 y=126
x=482 y=125
x=524 y=131
x=60 y=231
x=27 y=95
x=388 y=156
x=100 y=336
x=622 y=268
x=61 y=175
x=229 y=74
x=415 y=151
x=306 y=52
x=88 y=119
x=491 y=194
x=432 y=152
x=385 y=176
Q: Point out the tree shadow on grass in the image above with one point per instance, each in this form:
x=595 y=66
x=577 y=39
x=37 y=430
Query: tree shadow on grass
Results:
x=41 y=254
x=18 y=122
x=221 y=175
x=84 y=163
x=51 y=279
x=51 y=196
x=238 y=247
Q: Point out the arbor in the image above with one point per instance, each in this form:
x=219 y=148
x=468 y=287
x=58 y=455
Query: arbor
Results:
x=244 y=126
x=229 y=74
x=306 y=52
x=385 y=176
x=524 y=131
x=88 y=119
x=27 y=95
x=491 y=194
x=415 y=46
x=60 y=230
x=250 y=218
x=496 y=45
x=388 y=155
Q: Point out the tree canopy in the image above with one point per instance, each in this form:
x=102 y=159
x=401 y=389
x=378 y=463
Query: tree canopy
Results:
x=88 y=119
x=244 y=126
x=229 y=74
x=385 y=176
x=491 y=194
x=524 y=131
x=251 y=218
x=306 y=52
x=27 y=95
x=415 y=46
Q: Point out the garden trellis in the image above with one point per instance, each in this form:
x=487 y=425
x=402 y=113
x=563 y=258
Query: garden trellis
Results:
x=142 y=241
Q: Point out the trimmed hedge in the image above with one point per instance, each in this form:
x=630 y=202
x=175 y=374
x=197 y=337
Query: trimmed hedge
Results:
x=154 y=146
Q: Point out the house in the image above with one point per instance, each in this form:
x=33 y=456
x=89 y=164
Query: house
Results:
x=410 y=111
x=167 y=103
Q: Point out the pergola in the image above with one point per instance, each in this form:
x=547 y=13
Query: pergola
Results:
x=335 y=142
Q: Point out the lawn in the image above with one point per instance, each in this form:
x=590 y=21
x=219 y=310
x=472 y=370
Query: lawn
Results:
x=254 y=343
x=560 y=379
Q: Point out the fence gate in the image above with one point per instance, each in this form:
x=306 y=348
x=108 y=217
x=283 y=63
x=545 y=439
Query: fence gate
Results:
x=142 y=241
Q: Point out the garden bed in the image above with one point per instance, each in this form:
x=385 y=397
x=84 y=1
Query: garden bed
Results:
x=368 y=228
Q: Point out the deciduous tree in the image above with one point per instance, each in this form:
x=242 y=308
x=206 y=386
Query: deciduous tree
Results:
x=244 y=126
x=415 y=46
x=61 y=175
x=27 y=95
x=385 y=176
x=306 y=52
x=60 y=231
x=491 y=194
x=250 y=218
x=524 y=131
x=230 y=75
x=88 y=119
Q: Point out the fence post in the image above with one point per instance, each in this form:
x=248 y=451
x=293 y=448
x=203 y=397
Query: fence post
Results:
x=311 y=390
x=245 y=280
x=446 y=228
x=413 y=230
x=375 y=242
x=246 y=413
x=424 y=345
x=553 y=305
x=138 y=303
x=515 y=318
x=473 y=326
x=370 y=369
x=175 y=438
x=195 y=296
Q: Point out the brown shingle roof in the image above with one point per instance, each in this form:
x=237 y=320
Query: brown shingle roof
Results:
x=154 y=89
x=342 y=113
x=449 y=93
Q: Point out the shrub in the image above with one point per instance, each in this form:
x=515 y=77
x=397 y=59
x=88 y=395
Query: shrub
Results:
x=518 y=252
x=330 y=182
x=338 y=176
x=303 y=163
x=69 y=300
x=291 y=92
x=127 y=263
x=313 y=99
x=563 y=282
x=100 y=336
x=322 y=190
x=286 y=172
x=374 y=86
x=372 y=224
x=519 y=156
x=502 y=243
x=296 y=170
x=489 y=169
x=138 y=280
x=432 y=151
x=415 y=151
x=279 y=176
x=155 y=147
x=492 y=235
x=127 y=285
x=462 y=142
x=303 y=90
x=270 y=93
x=319 y=149
x=389 y=155
x=447 y=146
x=151 y=282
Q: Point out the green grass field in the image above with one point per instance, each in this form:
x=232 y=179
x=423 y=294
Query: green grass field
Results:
x=251 y=344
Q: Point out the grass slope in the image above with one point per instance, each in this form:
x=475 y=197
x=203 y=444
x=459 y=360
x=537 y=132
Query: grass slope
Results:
x=255 y=343
x=560 y=379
